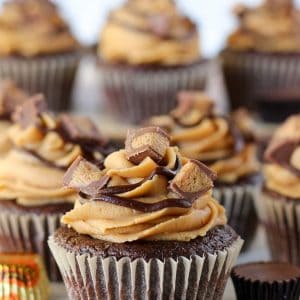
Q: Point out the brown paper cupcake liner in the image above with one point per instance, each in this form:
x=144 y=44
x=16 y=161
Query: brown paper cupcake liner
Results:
x=136 y=93
x=196 y=277
x=281 y=220
x=238 y=201
x=250 y=75
x=51 y=75
x=29 y=233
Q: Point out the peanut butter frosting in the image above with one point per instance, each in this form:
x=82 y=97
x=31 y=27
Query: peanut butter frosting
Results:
x=282 y=160
x=271 y=27
x=144 y=32
x=201 y=134
x=146 y=191
x=33 y=27
x=32 y=171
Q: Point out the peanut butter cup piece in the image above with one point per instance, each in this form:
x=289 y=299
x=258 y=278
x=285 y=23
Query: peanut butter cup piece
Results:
x=29 y=112
x=160 y=25
x=85 y=177
x=146 y=142
x=193 y=180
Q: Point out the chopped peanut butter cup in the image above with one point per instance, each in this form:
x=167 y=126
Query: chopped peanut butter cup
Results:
x=146 y=142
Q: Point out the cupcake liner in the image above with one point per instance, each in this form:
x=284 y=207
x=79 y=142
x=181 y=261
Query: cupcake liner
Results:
x=28 y=233
x=238 y=201
x=248 y=75
x=51 y=75
x=246 y=289
x=196 y=277
x=281 y=221
x=136 y=93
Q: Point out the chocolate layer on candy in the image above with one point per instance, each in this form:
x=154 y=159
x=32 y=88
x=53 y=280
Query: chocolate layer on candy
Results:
x=160 y=25
x=29 y=112
x=146 y=142
x=193 y=180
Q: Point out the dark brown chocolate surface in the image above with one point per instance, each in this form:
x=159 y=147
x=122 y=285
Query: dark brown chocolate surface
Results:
x=216 y=239
x=267 y=271
x=12 y=206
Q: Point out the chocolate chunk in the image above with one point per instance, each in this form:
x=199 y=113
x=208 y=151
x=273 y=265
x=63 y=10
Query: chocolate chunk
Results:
x=85 y=176
x=193 y=180
x=160 y=25
x=146 y=142
x=29 y=112
x=78 y=129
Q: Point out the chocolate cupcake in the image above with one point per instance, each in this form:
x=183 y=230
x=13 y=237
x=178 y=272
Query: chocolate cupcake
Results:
x=145 y=227
x=147 y=52
x=278 y=205
x=37 y=50
x=213 y=139
x=10 y=97
x=262 y=56
x=32 y=198
x=22 y=276
x=266 y=281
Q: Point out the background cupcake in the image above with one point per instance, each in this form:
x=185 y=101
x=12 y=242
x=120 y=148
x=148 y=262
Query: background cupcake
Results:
x=146 y=226
x=37 y=50
x=262 y=58
x=147 y=52
x=213 y=139
x=278 y=206
x=32 y=198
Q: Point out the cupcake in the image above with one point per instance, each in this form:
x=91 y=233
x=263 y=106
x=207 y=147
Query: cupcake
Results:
x=32 y=198
x=262 y=56
x=37 y=50
x=278 y=205
x=266 y=281
x=147 y=52
x=10 y=97
x=145 y=227
x=22 y=276
x=203 y=135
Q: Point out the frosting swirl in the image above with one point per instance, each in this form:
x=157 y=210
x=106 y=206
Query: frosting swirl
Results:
x=282 y=160
x=213 y=139
x=271 y=27
x=33 y=27
x=33 y=170
x=169 y=198
x=144 y=32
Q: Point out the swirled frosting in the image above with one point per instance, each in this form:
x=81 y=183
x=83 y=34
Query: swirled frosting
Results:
x=282 y=160
x=33 y=27
x=153 y=193
x=200 y=134
x=143 y=32
x=33 y=169
x=271 y=27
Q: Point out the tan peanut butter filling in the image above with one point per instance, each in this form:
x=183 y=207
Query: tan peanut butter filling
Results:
x=169 y=200
x=282 y=160
x=204 y=136
x=271 y=27
x=143 y=32
x=33 y=27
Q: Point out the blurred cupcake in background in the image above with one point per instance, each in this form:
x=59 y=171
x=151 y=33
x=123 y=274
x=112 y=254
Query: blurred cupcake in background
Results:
x=32 y=198
x=10 y=97
x=279 y=205
x=37 y=50
x=147 y=52
x=213 y=139
x=262 y=57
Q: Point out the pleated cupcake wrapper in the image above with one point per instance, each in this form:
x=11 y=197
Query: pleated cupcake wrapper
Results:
x=247 y=289
x=94 y=277
x=238 y=201
x=136 y=94
x=29 y=234
x=281 y=220
x=51 y=75
x=249 y=74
